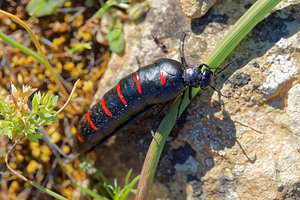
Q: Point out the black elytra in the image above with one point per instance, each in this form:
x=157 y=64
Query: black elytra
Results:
x=156 y=83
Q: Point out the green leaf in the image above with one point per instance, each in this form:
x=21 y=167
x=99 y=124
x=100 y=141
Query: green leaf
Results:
x=116 y=40
x=34 y=137
x=105 y=8
x=137 y=10
x=7 y=132
x=31 y=138
x=46 y=190
x=51 y=119
x=35 y=104
x=2 y=124
x=128 y=188
x=39 y=120
x=47 y=8
x=42 y=108
x=46 y=100
x=49 y=103
x=38 y=135
x=84 y=166
x=81 y=46
x=2 y=104
x=54 y=101
x=128 y=176
x=38 y=97
x=47 y=117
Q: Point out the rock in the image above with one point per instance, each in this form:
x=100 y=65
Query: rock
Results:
x=293 y=109
x=281 y=70
x=202 y=159
x=196 y=8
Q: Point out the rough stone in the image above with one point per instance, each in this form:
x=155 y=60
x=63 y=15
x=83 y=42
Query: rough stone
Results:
x=293 y=109
x=281 y=70
x=196 y=8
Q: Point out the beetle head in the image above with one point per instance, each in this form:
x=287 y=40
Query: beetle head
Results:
x=207 y=79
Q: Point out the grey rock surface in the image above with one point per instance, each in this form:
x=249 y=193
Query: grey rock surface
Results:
x=293 y=109
x=196 y=8
x=202 y=159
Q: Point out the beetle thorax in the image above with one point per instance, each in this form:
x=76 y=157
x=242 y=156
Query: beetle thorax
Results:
x=192 y=77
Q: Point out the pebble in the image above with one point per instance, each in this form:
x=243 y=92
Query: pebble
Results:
x=196 y=8
x=293 y=109
x=280 y=71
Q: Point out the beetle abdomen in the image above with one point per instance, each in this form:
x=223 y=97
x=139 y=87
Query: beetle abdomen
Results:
x=156 y=83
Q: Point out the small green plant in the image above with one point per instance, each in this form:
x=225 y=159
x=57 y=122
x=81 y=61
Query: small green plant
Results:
x=134 y=11
x=42 y=8
x=19 y=120
x=80 y=47
x=114 y=191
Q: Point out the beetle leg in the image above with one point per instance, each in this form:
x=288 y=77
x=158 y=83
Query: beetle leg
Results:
x=205 y=65
x=181 y=50
x=179 y=106
x=157 y=119
x=190 y=93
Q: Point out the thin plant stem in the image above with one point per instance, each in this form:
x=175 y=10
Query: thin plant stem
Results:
x=7 y=164
x=35 y=41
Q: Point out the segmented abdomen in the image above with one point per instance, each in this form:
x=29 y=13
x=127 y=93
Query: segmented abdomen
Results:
x=153 y=84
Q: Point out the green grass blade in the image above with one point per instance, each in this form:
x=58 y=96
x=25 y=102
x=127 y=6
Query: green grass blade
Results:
x=24 y=49
x=90 y=192
x=39 y=48
x=51 y=193
x=242 y=27
x=128 y=188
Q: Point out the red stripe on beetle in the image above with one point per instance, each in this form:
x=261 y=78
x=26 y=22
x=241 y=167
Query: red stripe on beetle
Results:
x=120 y=95
x=162 y=77
x=79 y=138
x=105 y=108
x=137 y=82
x=88 y=117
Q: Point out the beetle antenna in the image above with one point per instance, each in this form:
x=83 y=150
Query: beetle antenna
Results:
x=219 y=92
x=181 y=49
x=223 y=68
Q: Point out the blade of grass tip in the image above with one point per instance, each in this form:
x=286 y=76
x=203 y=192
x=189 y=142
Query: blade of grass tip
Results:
x=128 y=176
x=217 y=56
x=46 y=62
x=128 y=188
x=241 y=28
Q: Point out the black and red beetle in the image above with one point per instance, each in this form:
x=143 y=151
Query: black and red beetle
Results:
x=157 y=83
